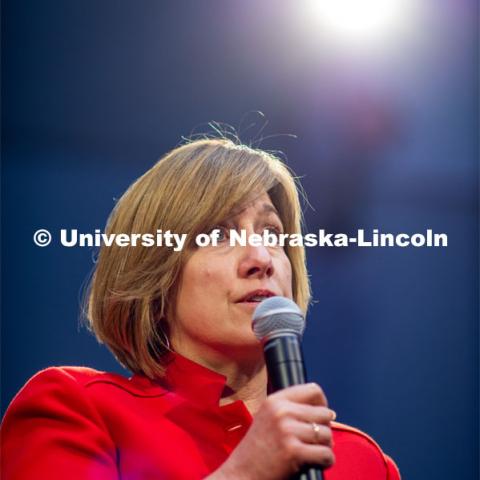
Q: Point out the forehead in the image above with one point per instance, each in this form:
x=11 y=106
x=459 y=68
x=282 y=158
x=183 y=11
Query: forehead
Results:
x=259 y=205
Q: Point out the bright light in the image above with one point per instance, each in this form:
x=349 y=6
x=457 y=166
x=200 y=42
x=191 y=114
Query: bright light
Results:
x=359 y=19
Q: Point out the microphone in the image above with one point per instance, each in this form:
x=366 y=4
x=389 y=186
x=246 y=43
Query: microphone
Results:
x=279 y=323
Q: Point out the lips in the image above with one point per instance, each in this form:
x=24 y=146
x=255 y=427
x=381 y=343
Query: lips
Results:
x=256 y=296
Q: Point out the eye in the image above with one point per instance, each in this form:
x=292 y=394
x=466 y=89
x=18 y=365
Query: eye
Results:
x=273 y=230
x=222 y=232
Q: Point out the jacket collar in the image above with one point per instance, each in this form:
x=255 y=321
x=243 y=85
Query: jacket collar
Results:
x=194 y=381
x=185 y=378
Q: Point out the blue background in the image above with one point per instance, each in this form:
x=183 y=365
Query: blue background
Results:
x=94 y=92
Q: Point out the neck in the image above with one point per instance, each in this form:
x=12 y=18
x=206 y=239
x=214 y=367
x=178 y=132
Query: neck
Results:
x=250 y=386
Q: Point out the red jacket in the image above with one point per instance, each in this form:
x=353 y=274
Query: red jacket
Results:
x=73 y=423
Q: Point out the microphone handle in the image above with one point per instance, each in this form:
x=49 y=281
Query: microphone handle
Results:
x=284 y=359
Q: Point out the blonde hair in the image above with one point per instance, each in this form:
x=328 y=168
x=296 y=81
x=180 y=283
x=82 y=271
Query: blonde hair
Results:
x=189 y=190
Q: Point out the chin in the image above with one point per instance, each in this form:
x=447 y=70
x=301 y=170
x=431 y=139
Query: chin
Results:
x=245 y=342
x=252 y=348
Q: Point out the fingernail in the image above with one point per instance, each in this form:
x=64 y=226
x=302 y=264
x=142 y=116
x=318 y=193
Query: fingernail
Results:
x=334 y=414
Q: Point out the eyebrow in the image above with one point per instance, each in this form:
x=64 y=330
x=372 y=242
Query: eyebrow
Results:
x=269 y=208
x=265 y=209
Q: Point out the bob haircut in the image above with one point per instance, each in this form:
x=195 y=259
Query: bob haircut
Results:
x=132 y=293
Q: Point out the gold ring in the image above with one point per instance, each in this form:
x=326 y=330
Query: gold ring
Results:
x=316 y=430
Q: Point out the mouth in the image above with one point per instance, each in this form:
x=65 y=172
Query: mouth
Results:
x=256 y=296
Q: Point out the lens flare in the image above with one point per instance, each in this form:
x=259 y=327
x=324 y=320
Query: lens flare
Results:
x=359 y=19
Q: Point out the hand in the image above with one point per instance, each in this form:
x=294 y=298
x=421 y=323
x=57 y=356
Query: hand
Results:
x=282 y=437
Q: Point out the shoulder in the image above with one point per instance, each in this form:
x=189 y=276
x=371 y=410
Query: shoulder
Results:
x=362 y=451
x=55 y=389
x=71 y=380
x=345 y=432
x=60 y=382
x=80 y=375
x=52 y=425
x=70 y=391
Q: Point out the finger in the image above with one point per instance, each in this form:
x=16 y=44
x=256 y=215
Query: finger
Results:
x=309 y=393
x=312 y=433
x=311 y=413
x=315 y=455
x=315 y=434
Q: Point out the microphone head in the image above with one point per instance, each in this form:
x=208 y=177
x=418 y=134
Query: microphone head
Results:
x=277 y=314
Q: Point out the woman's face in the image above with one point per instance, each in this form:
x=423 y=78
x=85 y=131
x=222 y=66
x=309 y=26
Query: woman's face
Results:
x=221 y=286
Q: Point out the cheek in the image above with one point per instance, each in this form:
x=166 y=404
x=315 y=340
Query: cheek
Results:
x=289 y=286
x=195 y=268
x=204 y=276
x=201 y=280
x=286 y=275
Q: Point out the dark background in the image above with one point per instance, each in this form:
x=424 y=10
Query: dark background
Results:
x=95 y=91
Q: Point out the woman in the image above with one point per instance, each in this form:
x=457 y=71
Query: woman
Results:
x=197 y=404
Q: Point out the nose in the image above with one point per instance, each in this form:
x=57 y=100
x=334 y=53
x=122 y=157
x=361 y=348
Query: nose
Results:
x=255 y=262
